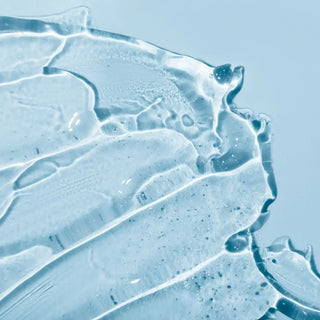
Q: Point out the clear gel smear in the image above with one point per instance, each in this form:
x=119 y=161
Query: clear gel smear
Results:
x=131 y=185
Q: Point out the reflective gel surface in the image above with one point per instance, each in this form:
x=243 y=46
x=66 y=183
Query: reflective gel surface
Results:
x=131 y=185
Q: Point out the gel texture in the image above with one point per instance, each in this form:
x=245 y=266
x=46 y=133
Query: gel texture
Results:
x=131 y=184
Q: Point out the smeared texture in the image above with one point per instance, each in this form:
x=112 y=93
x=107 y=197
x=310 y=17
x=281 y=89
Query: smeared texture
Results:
x=131 y=185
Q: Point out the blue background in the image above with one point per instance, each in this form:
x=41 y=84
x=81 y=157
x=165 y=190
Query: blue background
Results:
x=278 y=42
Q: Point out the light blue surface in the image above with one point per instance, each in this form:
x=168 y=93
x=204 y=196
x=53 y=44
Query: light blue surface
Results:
x=278 y=264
